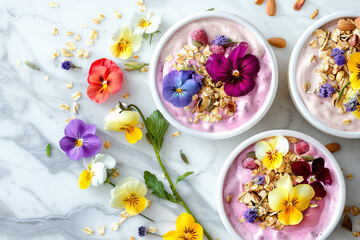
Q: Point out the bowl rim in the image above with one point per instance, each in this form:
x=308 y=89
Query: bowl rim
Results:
x=295 y=96
x=242 y=146
x=215 y=135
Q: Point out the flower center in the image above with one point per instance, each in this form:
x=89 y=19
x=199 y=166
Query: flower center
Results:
x=236 y=73
x=189 y=234
x=179 y=90
x=133 y=200
x=311 y=179
x=122 y=45
x=144 y=24
x=79 y=142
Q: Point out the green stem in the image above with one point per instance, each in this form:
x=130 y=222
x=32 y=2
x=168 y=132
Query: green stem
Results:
x=108 y=181
x=261 y=201
x=146 y=217
x=154 y=234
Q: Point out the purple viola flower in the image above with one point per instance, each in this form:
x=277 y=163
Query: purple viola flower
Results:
x=80 y=140
x=238 y=71
x=338 y=56
x=180 y=86
x=221 y=40
x=326 y=90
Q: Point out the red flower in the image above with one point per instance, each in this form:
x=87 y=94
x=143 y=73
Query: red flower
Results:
x=316 y=177
x=105 y=78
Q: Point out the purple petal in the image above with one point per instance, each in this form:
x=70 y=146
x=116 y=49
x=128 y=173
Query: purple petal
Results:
x=91 y=145
x=249 y=65
x=169 y=93
x=184 y=75
x=324 y=176
x=237 y=53
x=319 y=189
x=218 y=68
x=171 y=79
x=301 y=169
x=317 y=165
x=91 y=129
x=182 y=100
x=190 y=87
x=75 y=128
x=239 y=87
x=67 y=144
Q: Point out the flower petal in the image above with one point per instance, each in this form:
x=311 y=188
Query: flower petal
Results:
x=135 y=42
x=324 y=176
x=85 y=179
x=91 y=145
x=172 y=80
x=99 y=174
x=239 y=87
x=261 y=149
x=190 y=87
x=301 y=196
x=173 y=235
x=357 y=112
x=137 y=207
x=185 y=75
x=354 y=60
x=285 y=182
x=136 y=188
x=301 y=168
x=249 y=65
x=278 y=198
x=121 y=50
x=126 y=180
x=237 y=53
x=155 y=22
x=91 y=129
x=273 y=161
x=122 y=33
x=281 y=144
x=106 y=159
x=116 y=121
x=119 y=200
x=97 y=93
x=133 y=134
x=198 y=231
x=67 y=144
x=319 y=189
x=114 y=81
x=184 y=221
x=317 y=165
x=219 y=68
x=75 y=128
x=355 y=80
x=97 y=74
x=290 y=216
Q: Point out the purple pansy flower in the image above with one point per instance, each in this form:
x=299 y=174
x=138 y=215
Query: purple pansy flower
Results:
x=238 y=71
x=80 y=140
x=180 y=86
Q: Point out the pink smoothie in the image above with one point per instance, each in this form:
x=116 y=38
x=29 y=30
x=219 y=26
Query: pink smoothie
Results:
x=247 y=106
x=315 y=219
x=320 y=108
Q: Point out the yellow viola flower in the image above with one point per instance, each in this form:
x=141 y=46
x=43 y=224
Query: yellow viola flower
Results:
x=356 y=113
x=129 y=193
x=125 y=43
x=124 y=121
x=289 y=201
x=354 y=66
x=272 y=152
x=186 y=229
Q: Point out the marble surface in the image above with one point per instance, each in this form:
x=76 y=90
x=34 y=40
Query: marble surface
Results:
x=40 y=197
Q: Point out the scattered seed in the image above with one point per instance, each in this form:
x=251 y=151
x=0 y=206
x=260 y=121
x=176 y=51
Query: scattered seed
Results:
x=68 y=33
x=31 y=65
x=314 y=14
x=152 y=229
x=96 y=20
x=89 y=43
x=65 y=107
x=55 y=32
x=101 y=230
x=71 y=46
x=75 y=108
x=132 y=238
x=117 y=14
x=349 y=176
x=176 y=134
x=140 y=2
x=114 y=226
x=346 y=223
x=228 y=198
x=69 y=85
x=93 y=34
x=66 y=53
x=183 y=157
x=143 y=8
x=136 y=56
x=346 y=121
x=313 y=44
x=76 y=96
x=77 y=37
x=88 y=231
x=356 y=234
x=55 y=54
x=107 y=144
x=69 y=119
x=355 y=211
x=126 y=95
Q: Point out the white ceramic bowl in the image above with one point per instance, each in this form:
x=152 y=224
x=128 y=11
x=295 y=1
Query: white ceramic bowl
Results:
x=217 y=135
x=292 y=76
x=335 y=215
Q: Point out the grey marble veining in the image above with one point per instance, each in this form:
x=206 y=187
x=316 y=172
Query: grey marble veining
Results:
x=40 y=197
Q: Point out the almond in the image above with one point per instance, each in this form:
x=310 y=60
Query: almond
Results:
x=277 y=42
x=298 y=4
x=259 y=2
x=271 y=7
x=333 y=147
x=357 y=23
x=344 y=25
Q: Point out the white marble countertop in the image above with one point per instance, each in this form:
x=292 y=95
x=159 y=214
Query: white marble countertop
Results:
x=40 y=197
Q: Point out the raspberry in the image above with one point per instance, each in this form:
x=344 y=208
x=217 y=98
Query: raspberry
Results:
x=302 y=147
x=217 y=49
x=199 y=35
x=249 y=163
x=229 y=49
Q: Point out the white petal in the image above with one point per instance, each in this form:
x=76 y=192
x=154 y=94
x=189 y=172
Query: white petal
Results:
x=88 y=162
x=261 y=149
x=125 y=180
x=281 y=144
x=107 y=160
x=139 y=30
x=99 y=174
x=155 y=23
x=285 y=182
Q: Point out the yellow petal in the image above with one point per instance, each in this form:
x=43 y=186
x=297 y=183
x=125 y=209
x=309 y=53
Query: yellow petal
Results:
x=121 y=50
x=357 y=112
x=197 y=231
x=355 y=80
x=354 y=59
x=85 y=179
x=133 y=134
x=136 y=205
x=301 y=196
x=273 y=161
x=119 y=199
x=278 y=198
x=280 y=144
x=135 y=188
x=116 y=121
x=290 y=216
x=123 y=33
x=285 y=182
x=172 y=235
x=135 y=42
x=261 y=149
x=184 y=221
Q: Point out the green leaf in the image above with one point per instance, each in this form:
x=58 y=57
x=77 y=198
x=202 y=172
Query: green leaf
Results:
x=31 y=65
x=182 y=177
x=48 y=149
x=133 y=65
x=183 y=157
x=157 y=126
x=210 y=9
x=307 y=157
x=157 y=187
x=251 y=155
x=147 y=135
x=342 y=91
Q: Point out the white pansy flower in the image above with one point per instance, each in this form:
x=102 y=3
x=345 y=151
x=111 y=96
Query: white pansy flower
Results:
x=145 y=24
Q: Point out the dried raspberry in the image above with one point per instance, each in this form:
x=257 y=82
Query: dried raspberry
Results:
x=217 y=49
x=199 y=35
x=249 y=163
x=229 y=49
x=302 y=147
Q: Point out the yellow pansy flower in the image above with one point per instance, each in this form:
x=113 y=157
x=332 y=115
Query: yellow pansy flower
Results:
x=289 y=201
x=129 y=193
x=354 y=66
x=125 y=43
x=124 y=121
x=186 y=229
x=272 y=152
x=356 y=113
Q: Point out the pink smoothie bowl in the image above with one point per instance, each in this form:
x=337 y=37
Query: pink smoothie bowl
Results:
x=232 y=174
x=231 y=128
x=324 y=115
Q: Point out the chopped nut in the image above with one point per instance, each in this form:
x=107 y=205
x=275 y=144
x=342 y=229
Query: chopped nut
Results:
x=136 y=56
x=132 y=238
x=54 y=5
x=176 y=134
x=314 y=14
x=313 y=44
x=77 y=37
x=152 y=229
x=346 y=121
x=66 y=53
x=313 y=59
x=89 y=43
x=169 y=58
x=55 y=54
x=114 y=226
x=259 y=2
x=101 y=230
x=140 y=2
x=346 y=223
x=349 y=176
x=107 y=144
x=96 y=20
x=55 y=32
x=80 y=53
x=86 y=54
x=65 y=107
x=69 y=85
x=76 y=96
x=126 y=95
x=75 y=108
x=346 y=209
x=355 y=211
x=356 y=234
x=117 y=14
x=71 y=46
x=93 y=34
x=69 y=119
x=228 y=198
x=68 y=33
x=88 y=231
